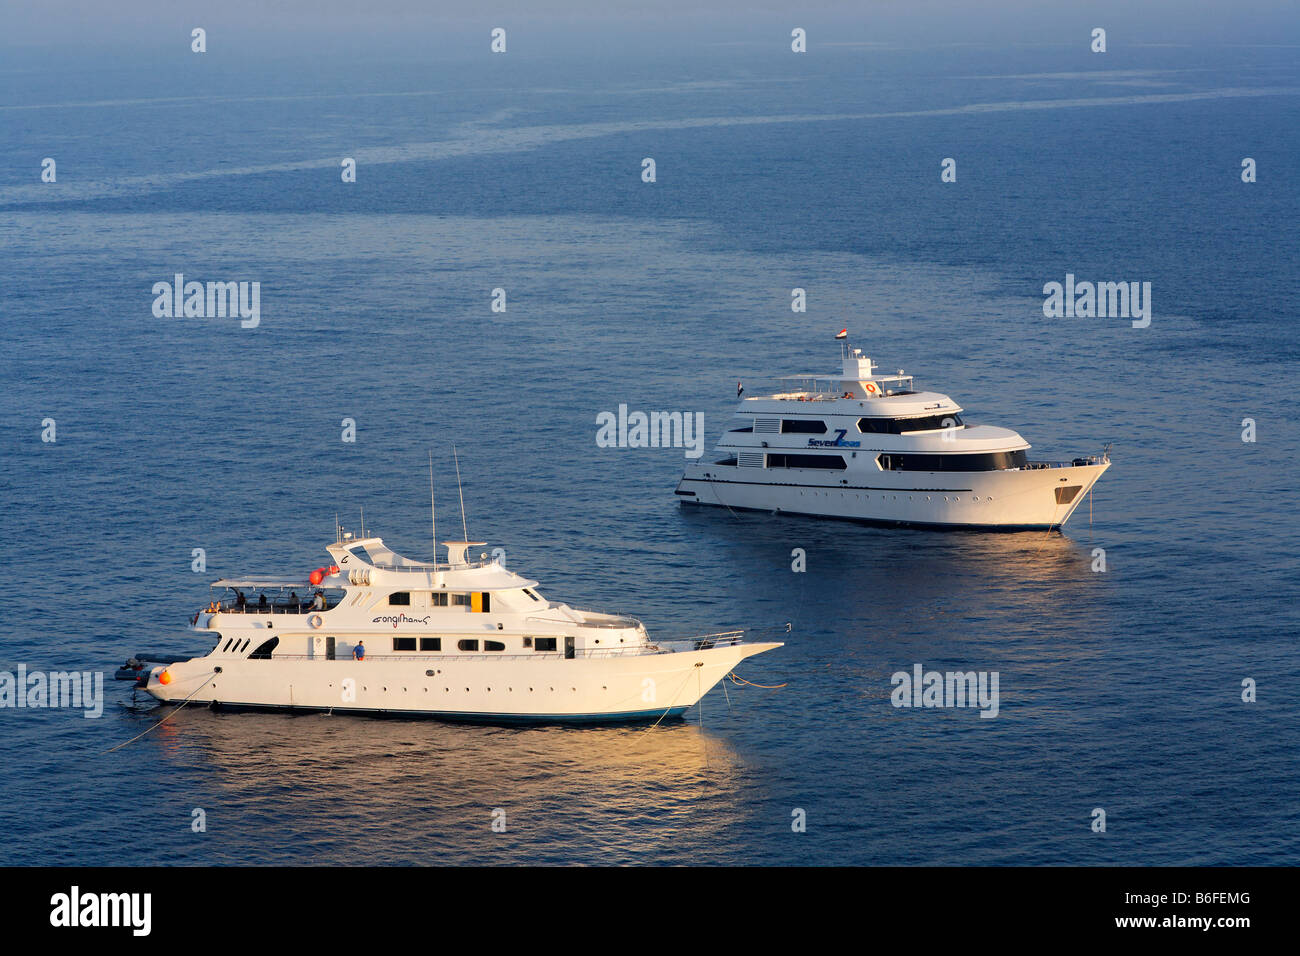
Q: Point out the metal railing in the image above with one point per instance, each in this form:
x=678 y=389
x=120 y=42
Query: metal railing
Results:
x=1075 y=463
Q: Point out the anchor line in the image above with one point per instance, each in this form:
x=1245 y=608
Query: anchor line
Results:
x=165 y=719
x=671 y=701
x=737 y=679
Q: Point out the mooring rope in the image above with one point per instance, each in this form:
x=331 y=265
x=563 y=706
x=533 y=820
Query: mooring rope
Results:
x=736 y=679
x=165 y=719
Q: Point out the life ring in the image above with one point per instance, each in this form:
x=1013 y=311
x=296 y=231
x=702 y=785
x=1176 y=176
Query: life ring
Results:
x=870 y=388
x=315 y=620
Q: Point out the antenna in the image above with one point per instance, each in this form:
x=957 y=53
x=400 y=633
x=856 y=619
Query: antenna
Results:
x=338 y=533
x=459 y=491
x=363 y=521
x=433 y=511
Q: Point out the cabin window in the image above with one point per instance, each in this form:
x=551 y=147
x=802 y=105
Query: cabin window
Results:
x=544 y=644
x=991 y=461
x=403 y=643
x=468 y=645
x=460 y=600
x=833 y=462
x=896 y=426
x=729 y=460
x=431 y=643
x=493 y=646
x=803 y=426
x=438 y=599
x=399 y=599
x=531 y=594
x=263 y=652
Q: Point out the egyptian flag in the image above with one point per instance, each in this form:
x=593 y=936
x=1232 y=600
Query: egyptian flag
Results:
x=842 y=334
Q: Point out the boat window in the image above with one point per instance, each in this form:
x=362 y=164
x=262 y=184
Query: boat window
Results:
x=359 y=551
x=399 y=598
x=403 y=643
x=438 y=599
x=897 y=426
x=480 y=602
x=730 y=460
x=803 y=426
x=544 y=644
x=531 y=594
x=460 y=600
x=990 y=461
x=431 y=643
x=263 y=652
x=493 y=646
x=1067 y=493
x=833 y=462
x=747 y=428
x=228 y=643
x=468 y=645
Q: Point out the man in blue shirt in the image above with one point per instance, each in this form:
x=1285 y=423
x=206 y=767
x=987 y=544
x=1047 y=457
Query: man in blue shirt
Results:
x=359 y=652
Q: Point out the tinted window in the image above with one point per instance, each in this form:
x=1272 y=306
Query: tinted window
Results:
x=263 y=652
x=803 y=426
x=544 y=644
x=896 y=426
x=468 y=645
x=403 y=643
x=431 y=643
x=833 y=462
x=493 y=646
x=992 y=461
x=400 y=598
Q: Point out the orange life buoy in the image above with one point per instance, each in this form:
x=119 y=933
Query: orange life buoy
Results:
x=315 y=620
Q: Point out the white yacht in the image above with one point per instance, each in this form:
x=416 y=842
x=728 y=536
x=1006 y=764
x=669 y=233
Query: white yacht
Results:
x=871 y=447
x=374 y=632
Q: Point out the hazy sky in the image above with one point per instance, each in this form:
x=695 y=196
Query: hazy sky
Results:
x=96 y=23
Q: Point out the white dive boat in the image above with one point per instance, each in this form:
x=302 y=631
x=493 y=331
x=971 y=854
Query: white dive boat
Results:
x=870 y=447
x=465 y=640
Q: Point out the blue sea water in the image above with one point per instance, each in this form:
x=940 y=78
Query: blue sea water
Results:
x=1119 y=690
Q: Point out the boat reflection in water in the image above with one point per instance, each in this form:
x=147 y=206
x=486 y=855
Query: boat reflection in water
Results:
x=319 y=789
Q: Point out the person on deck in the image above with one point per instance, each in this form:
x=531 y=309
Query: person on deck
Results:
x=359 y=652
x=318 y=602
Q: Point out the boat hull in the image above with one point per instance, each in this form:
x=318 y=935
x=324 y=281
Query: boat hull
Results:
x=622 y=687
x=993 y=500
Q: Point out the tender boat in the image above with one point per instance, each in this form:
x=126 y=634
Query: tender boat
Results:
x=871 y=447
x=376 y=633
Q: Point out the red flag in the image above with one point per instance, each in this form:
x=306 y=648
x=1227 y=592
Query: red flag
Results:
x=842 y=334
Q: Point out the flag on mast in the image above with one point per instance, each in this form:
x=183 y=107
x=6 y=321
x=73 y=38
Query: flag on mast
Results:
x=842 y=334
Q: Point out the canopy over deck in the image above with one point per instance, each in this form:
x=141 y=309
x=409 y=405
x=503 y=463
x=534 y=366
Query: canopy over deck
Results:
x=262 y=583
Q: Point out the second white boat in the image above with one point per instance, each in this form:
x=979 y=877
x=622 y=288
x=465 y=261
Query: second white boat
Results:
x=870 y=447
